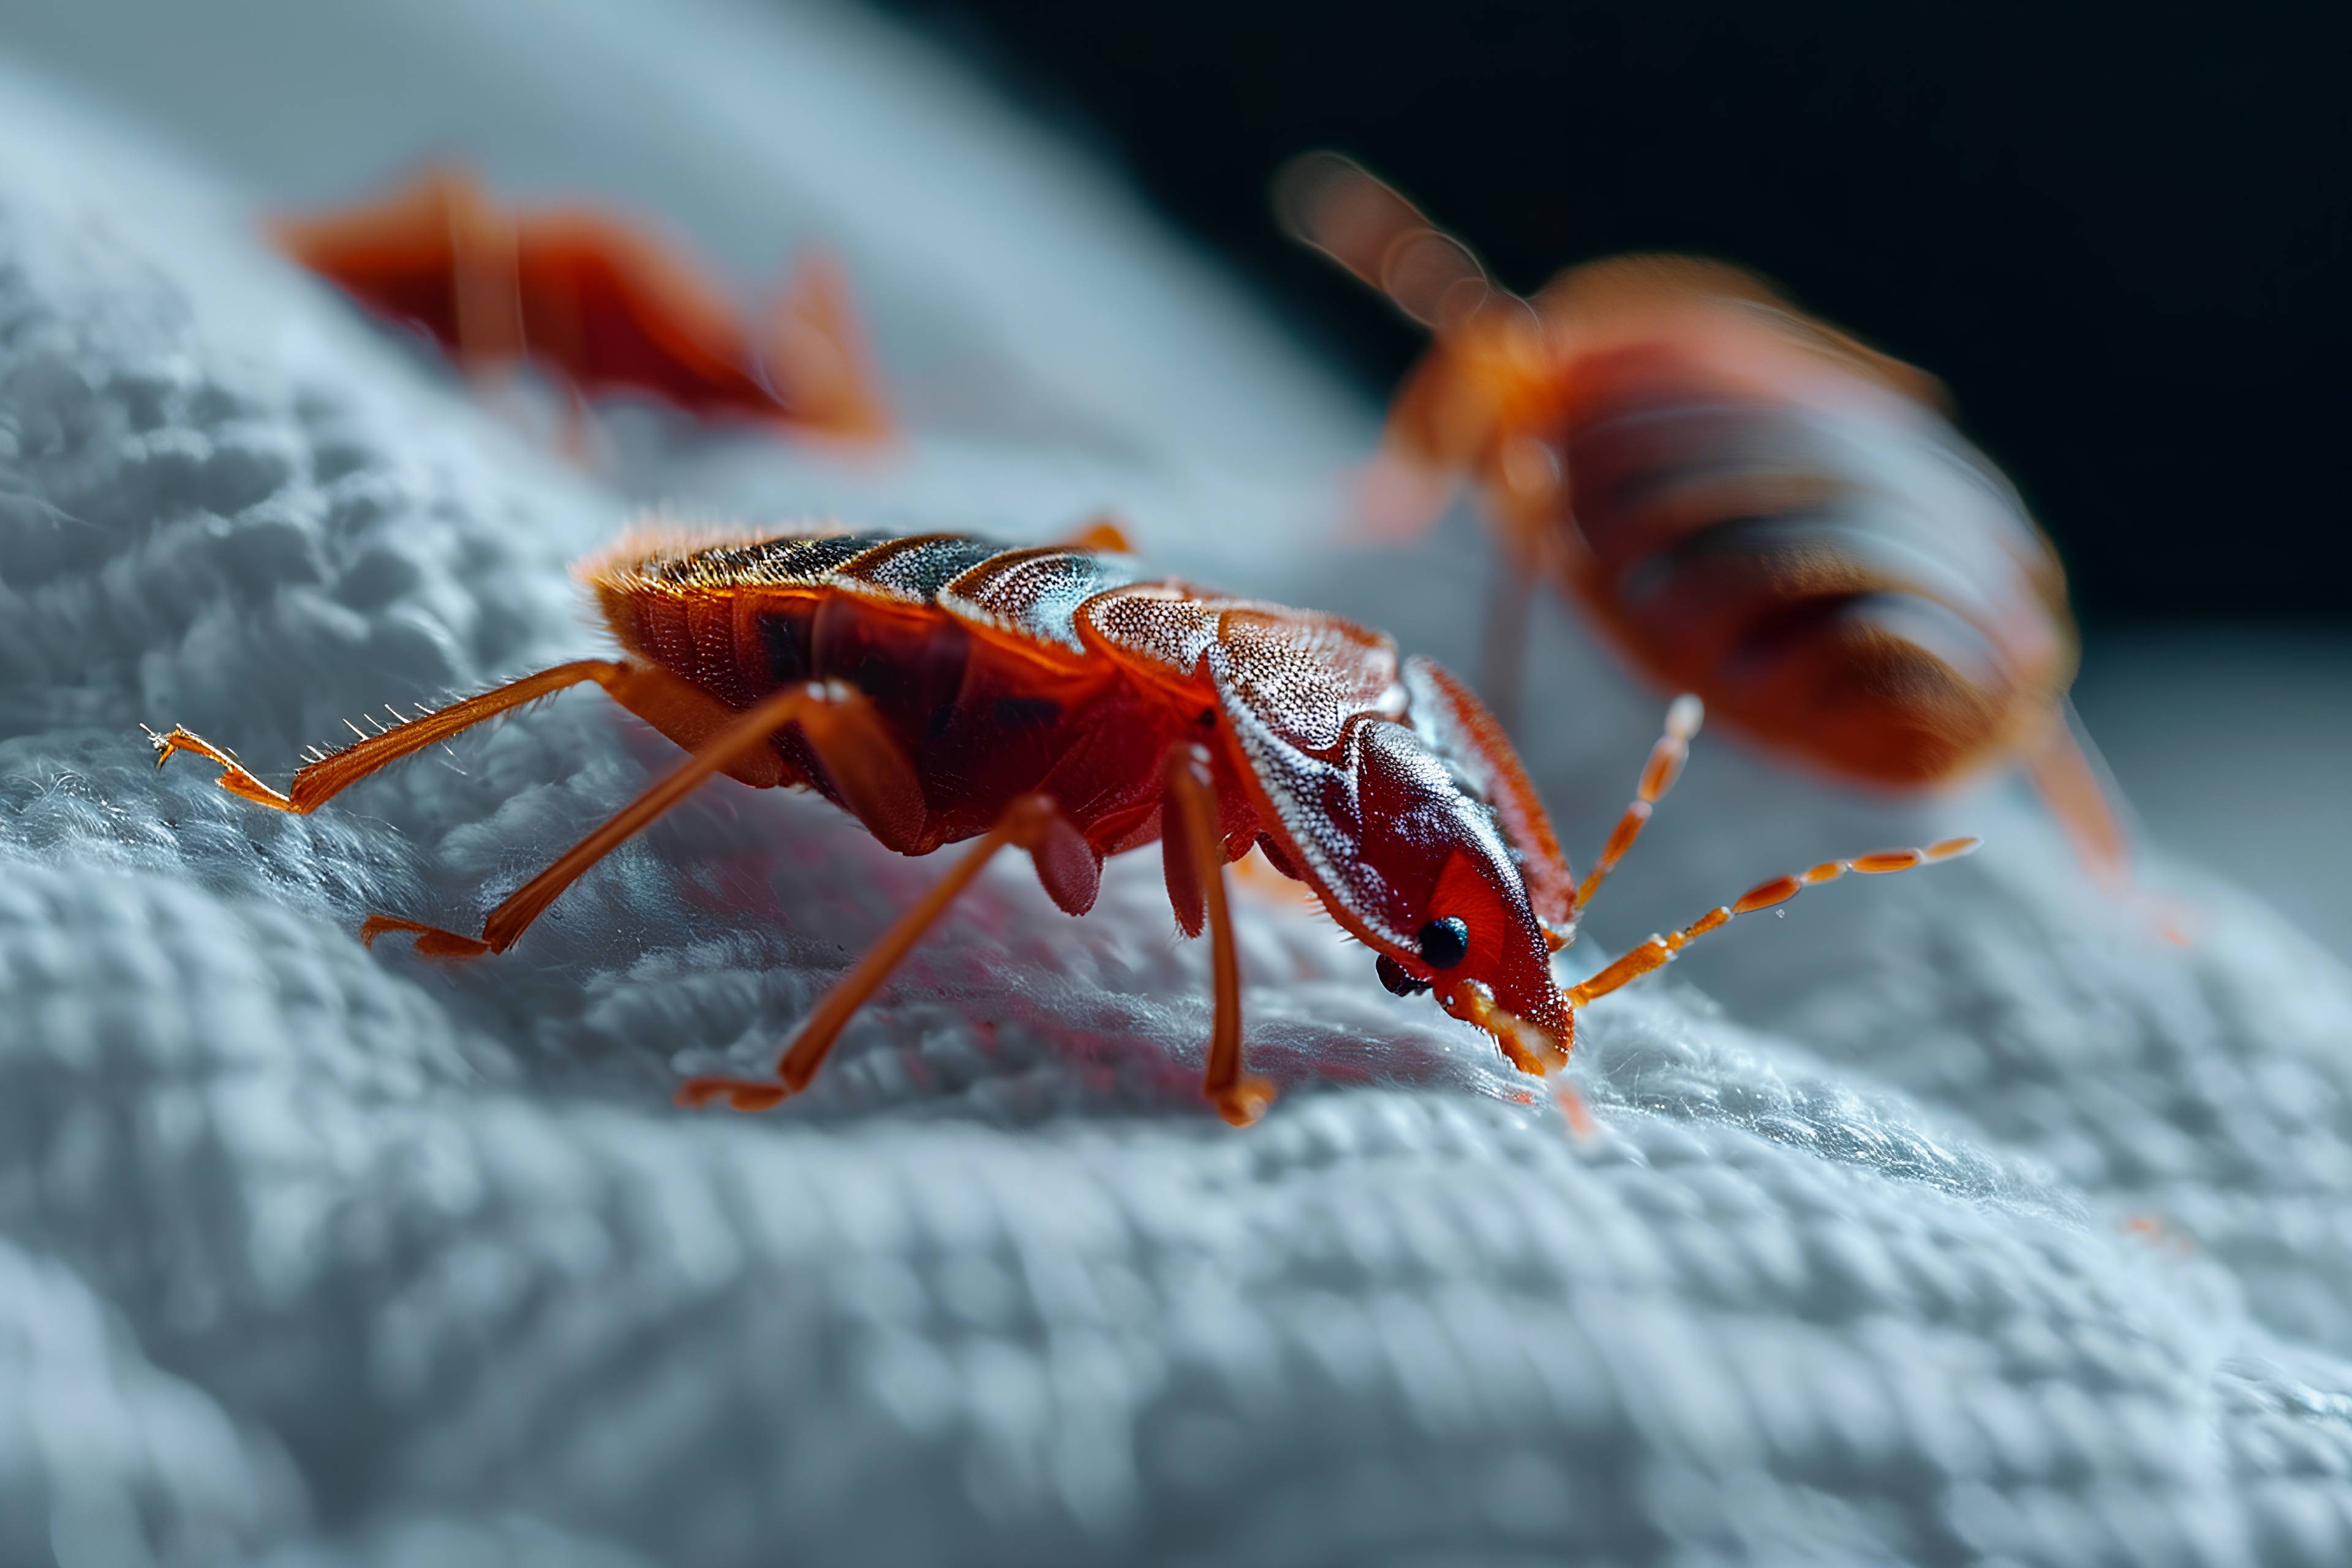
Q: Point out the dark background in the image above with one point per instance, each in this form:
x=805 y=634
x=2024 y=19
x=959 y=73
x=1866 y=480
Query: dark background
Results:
x=2118 y=234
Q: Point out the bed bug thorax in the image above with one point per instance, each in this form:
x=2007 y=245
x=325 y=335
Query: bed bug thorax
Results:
x=941 y=689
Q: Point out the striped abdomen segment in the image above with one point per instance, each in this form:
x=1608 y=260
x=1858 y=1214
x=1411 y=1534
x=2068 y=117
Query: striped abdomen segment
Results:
x=969 y=650
x=755 y=612
x=1001 y=669
x=741 y=618
x=1855 y=581
x=1029 y=593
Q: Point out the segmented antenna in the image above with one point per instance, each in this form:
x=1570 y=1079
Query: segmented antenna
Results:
x=1334 y=204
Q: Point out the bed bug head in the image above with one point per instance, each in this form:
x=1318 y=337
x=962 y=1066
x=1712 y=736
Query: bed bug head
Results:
x=1392 y=793
x=1454 y=914
x=1404 y=852
x=1484 y=384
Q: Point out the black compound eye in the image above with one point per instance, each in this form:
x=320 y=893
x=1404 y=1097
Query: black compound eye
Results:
x=1392 y=975
x=1444 y=943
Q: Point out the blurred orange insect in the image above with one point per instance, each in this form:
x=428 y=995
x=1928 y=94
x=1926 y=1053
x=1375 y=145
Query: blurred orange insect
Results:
x=1746 y=504
x=942 y=688
x=598 y=304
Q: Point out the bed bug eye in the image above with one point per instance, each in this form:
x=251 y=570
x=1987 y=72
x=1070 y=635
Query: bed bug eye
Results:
x=1444 y=942
x=1393 y=976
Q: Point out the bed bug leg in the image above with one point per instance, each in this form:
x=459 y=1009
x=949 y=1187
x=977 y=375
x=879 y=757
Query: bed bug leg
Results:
x=234 y=778
x=860 y=758
x=1191 y=855
x=818 y=357
x=1503 y=646
x=1030 y=824
x=2070 y=783
x=331 y=774
x=2074 y=782
x=1661 y=951
x=1658 y=775
x=486 y=263
x=1191 y=848
x=485 y=282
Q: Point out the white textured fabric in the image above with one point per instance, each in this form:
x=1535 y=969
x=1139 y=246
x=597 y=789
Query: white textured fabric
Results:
x=314 y=1255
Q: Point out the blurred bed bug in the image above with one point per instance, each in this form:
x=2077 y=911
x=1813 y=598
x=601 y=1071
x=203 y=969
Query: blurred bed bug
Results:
x=1746 y=502
x=940 y=687
x=598 y=304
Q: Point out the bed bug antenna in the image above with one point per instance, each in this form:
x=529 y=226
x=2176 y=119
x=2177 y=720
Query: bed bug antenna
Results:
x=1332 y=204
x=1663 y=949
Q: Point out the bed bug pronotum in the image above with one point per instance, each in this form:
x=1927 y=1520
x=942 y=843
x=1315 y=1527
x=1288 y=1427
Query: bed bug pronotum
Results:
x=942 y=688
x=597 y=304
x=1746 y=504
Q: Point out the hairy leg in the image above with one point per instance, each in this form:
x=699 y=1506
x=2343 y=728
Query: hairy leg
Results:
x=1029 y=824
x=865 y=765
x=330 y=773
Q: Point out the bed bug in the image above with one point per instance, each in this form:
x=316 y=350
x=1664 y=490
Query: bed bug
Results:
x=1746 y=503
x=940 y=689
x=596 y=302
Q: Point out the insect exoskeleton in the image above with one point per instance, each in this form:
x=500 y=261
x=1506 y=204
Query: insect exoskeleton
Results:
x=597 y=303
x=942 y=688
x=1746 y=503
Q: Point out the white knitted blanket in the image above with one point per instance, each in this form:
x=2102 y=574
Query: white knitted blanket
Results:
x=1967 y=1222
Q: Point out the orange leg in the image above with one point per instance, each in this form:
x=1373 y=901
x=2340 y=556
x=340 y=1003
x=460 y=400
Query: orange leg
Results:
x=865 y=766
x=851 y=753
x=1658 y=777
x=2070 y=783
x=1028 y=824
x=446 y=206
x=886 y=801
x=1032 y=823
x=486 y=276
x=1661 y=951
x=819 y=357
x=329 y=774
x=1503 y=646
x=2074 y=783
x=1196 y=875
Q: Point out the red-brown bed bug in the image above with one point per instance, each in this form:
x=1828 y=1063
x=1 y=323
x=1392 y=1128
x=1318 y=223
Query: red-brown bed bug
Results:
x=1746 y=503
x=942 y=688
x=598 y=303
